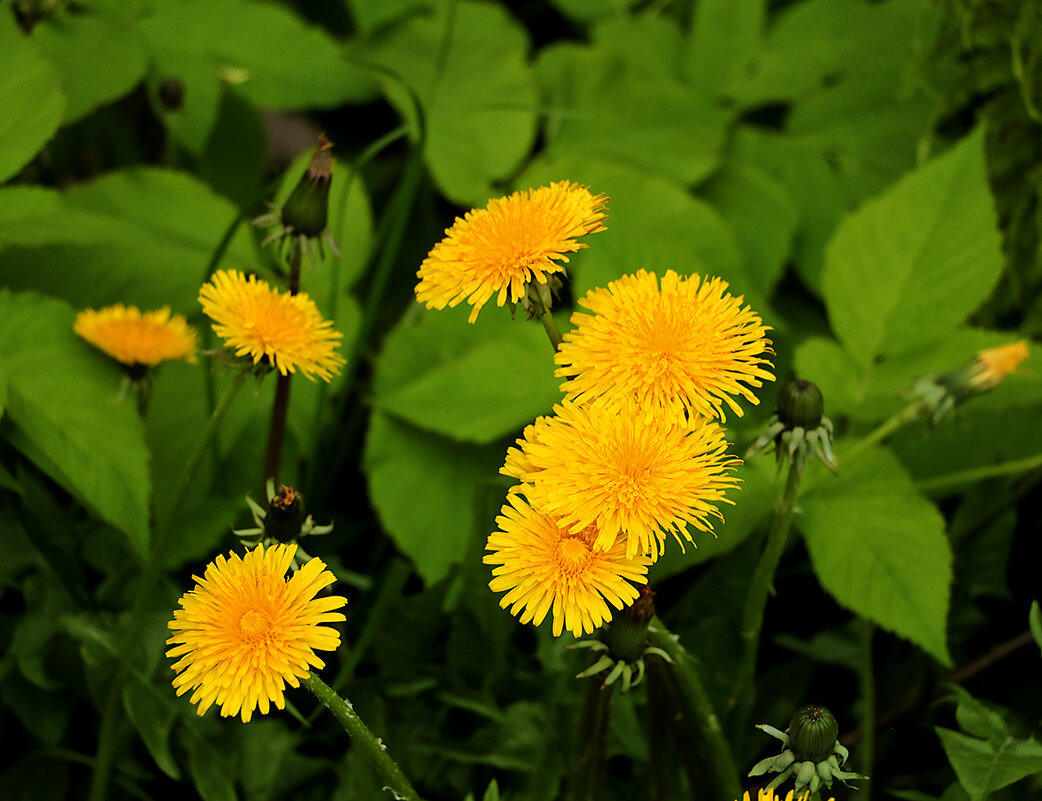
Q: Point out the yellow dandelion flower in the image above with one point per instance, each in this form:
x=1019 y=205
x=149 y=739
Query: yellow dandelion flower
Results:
x=687 y=346
x=770 y=795
x=260 y=322
x=544 y=568
x=245 y=632
x=994 y=364
x=625 y=471
x=135 y=338
x=512 y=241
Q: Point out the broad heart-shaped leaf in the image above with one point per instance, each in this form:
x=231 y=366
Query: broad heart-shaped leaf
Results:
x=652 y=224
x=879 y=548
x=66 y=416
x=99 y=59
x=425 y=490
x=30 y=96
x=912 y=264
x=984 y=766
x=142 y=236
x=474 y=383
x=466 y=62
x=605 y=108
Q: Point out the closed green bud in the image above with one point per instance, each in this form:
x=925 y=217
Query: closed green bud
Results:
x=812 y=732
x=800 y=405
x=627 y=635
x=307 y=209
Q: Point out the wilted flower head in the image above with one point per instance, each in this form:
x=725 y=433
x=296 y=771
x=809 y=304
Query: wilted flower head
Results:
x=547 y=569
x=624 y=471
x=136 y=338
x=939 y=395
x=687 y=346
x=261 y=323
x=245 y=632
x=498 y=250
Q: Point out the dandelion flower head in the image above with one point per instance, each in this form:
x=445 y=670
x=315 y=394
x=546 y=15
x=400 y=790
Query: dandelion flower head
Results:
x=512 y=241
x=624 y=471
x=133 y=337
x=260 y=322
x=245 y=632
x=547 y=569
x=994 y=364
x=685 y=346
x=771 y=795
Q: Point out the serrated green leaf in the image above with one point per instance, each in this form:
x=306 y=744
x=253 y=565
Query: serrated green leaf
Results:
x=30 y=96
x=984 y=766
x=153 y=720
x=424 y=489
x=497 y=379
x=99 y=60
x=909 y=266
x=467 y=64
x=66 y=416
x=604 y=108
x=879 y=548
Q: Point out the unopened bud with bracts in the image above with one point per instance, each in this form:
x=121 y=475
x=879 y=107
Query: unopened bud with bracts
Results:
x=811 y=751
x=939 y=395
x=798 y=427
x=283 y=521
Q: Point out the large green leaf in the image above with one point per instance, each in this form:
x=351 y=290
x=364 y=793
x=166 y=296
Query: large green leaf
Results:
x=66 y=416
x=911 y=265
x=984 y=766
x=142 y=236
x=466 y=64
x=30 y=96
x=424 y=488
x=879 y=548
x=726 y=35
x=100 y=60
x=605 y=107
x=474 y=383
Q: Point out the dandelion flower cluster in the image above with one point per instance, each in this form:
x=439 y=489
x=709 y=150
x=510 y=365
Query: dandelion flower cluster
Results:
x=262 y=323
x=994 y=364
x=685 y=346
x=245 y=632
x=137 y=338
x=770 y=795
x=517 y=239
x=545 y=567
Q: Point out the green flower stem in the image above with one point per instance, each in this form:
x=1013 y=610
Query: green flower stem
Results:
x=592 y=742
x=374 y=751
x=900 y=418
x=973 y=475
x=759 y=588
x=550 y=326
x=697 y=709
x=866 y=749
x=107 y=738
x=660 y=706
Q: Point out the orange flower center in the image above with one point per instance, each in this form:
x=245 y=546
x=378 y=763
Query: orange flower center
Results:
x=573 y=554
x=254 y=625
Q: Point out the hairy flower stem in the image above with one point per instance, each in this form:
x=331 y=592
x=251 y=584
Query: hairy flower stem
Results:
x=592 y=743
x=550 y=326
x=370 y=746
x=280 y=408
x=696 y=710
x=866 y=751
x=759 y=589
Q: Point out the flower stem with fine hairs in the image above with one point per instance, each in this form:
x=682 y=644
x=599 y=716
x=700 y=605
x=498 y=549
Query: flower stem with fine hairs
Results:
x=370 y=746
x=550 y=326
x=280 y=408
x=592 y=743
x=760 y=585
x=697 y=710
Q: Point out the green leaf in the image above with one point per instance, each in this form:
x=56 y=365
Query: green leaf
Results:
x=474 y=383
x=589 y=10
x=984 y=766
x=209 y=768
x=66 y=416
x=467 y=64
x=1035 y=623
x=909 y=266
x=605 y=108
x=879 y=548
x=100 y=60
x=726 y=35
x=30 y=96
x=142 y=236
x=652 y=224
x=762 y=214
x=153 y=720
x=424 y=489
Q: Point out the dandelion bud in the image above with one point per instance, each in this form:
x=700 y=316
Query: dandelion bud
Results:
x=939 y=395
x=307 y=210
x=285 y=515
x=812 y=732
x=800 y=405
x=627 y=634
